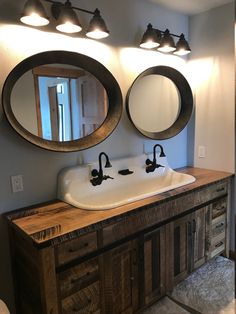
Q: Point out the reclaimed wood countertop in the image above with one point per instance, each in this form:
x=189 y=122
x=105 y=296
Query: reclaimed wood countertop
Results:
x=47 y=222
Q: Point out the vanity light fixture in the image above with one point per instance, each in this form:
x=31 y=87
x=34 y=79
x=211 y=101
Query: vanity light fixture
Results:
x=66 y=18
x=164 y=42
x=34 y=14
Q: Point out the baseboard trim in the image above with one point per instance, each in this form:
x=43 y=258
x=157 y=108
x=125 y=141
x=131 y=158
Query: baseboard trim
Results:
x=232 y=255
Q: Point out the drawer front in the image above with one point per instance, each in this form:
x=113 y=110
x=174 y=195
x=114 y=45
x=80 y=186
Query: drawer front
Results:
x=219 y=189
x=85 y=301
x=218 y=226
x=76 y=248
x=78 y=277
x=219 y=207
x=218 y=245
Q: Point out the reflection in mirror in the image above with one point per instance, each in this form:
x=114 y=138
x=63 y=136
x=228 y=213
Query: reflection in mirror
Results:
x=159 y=103
x=59 y=102
x=154 y=103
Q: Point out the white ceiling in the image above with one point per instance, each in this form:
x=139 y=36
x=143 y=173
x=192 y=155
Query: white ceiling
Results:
x=191 y=7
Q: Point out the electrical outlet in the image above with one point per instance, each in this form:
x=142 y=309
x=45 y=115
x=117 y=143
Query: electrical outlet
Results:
x=17 y=183
x=201 y=151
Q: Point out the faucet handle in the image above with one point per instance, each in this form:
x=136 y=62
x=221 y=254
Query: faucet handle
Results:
x=148 y=162
x=107 y=177
x=159 y=166
x=94 y=173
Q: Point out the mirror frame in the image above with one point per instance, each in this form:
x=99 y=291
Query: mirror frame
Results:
x=84 y=62
x=186 y=102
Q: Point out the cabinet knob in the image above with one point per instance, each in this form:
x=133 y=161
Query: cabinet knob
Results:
x=219 y=244
x=220 y=225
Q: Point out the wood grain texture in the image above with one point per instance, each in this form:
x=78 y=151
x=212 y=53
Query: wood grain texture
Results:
x=120 y=279
x=48 y=283
x=154 y=265
x=78 y=277
x=51 y=224
x=76 y=248
x=199 y=237
x=84 y=301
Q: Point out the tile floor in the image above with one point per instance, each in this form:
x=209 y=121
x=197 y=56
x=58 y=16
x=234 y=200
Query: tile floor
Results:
x=209 y=290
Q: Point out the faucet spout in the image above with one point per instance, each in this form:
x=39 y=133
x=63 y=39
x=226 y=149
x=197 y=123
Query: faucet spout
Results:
x=152 y=165
x=107 y=165
x=97 y=175
x=162 y=154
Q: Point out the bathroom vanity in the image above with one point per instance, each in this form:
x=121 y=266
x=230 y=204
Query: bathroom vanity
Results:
x=70 y=260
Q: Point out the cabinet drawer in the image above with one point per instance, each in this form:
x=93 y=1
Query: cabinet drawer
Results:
x=219 y=207
x=218 y=245
x=218 y=226
x=78 y=277
x=219 y=189
x=78 y=247
x=85 y=301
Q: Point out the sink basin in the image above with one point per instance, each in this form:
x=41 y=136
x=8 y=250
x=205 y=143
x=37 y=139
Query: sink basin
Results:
x=74 y=185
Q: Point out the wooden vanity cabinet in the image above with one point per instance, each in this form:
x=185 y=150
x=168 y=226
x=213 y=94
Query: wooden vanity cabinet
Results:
x=119 y=263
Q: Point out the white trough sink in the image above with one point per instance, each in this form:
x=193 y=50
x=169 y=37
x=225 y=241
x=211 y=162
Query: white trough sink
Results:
x=75 y=188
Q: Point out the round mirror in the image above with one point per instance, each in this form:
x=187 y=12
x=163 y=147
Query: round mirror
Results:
x=62 y=101
x=160 y=102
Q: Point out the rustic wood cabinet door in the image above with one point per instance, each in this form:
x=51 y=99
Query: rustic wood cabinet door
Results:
x=153 y=267
x=187 y=238
x=120 y=284
x=180 y=245
x=199 y=238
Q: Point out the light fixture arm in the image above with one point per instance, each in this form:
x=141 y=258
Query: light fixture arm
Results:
x=75 y=8
x=163 y=32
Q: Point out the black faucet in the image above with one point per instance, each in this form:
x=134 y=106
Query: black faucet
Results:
x=97 y=175
x=152 y=165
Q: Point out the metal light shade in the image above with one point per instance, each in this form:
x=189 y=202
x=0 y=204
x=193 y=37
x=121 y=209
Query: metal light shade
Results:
x=34 y=14
x=97 y=27
x=167 y=43
x=68 y=21
x=151 y=38
x=182 y=46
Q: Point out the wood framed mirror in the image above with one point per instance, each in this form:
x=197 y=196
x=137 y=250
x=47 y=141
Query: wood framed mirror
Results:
x=62 y=101
x=160 y=102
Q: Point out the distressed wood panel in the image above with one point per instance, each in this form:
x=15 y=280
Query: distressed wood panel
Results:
x=199 y=237
x=219 y=207
x=78 y=277
x=120 y=279
x=154 y=265
x=85 y=301
x=75 y=248
x=180 y=252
